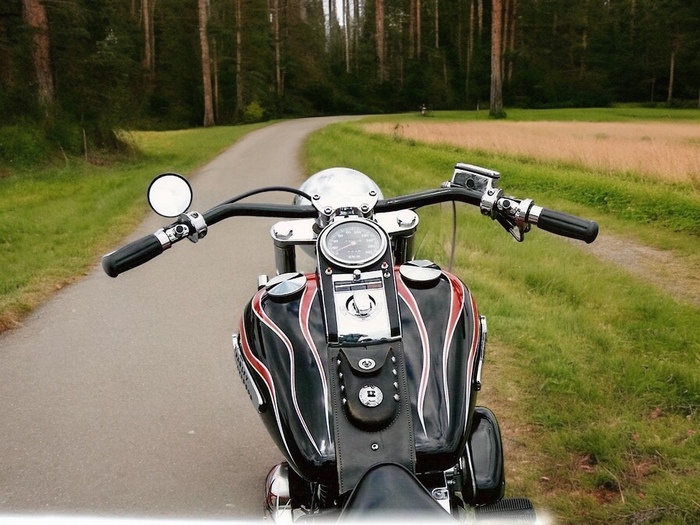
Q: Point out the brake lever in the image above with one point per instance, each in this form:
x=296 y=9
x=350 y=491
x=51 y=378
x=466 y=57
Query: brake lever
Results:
x=518 y=232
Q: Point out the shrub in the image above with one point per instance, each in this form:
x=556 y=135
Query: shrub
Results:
x=22 y=145
x=253 y=112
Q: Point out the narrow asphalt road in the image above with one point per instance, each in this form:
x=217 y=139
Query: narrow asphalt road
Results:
x=120 y=397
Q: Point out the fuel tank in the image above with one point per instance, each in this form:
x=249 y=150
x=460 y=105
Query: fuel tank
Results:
x=282 y=357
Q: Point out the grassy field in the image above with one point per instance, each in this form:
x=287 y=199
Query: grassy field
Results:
x=665 y=152
x=594 y=373
x=56 y=221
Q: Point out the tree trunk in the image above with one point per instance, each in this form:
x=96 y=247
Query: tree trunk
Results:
x=7 y=78
x=496 y=105
x=346 y=18
x=414 y=29
x=480 y=12
x=379 y=30
x=215 y=79
x=206 y=62
x=470 y=48
x=671 y=74
x=34 y=14
x=356 y=24
x=279 y=88
x=411 y=28
x=511 y=38
x=437 y=26
x=419 y=24
x=331 y=18
x=149 y=62
x=505 y=33
x=239 y=57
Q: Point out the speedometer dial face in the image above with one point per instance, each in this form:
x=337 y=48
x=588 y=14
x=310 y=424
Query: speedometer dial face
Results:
x=353 y=243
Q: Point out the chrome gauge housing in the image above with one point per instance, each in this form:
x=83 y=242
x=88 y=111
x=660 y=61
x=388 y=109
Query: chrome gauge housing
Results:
x=353 y=242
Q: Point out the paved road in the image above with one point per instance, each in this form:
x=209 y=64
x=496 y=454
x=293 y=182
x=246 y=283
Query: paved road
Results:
x=121 y=397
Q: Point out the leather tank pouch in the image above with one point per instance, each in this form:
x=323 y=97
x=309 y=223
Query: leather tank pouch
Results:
x=372 y=409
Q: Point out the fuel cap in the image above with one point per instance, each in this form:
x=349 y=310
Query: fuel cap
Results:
x=420 y=271
x=286 y=284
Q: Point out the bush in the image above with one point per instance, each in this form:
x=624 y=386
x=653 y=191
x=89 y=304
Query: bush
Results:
x=253 y=112
x=22 y=145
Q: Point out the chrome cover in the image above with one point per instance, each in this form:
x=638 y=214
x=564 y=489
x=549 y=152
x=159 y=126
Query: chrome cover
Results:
x=420 y=271
x=360 y=307
x=278 y=503
x=285 y=284
x=253 y=392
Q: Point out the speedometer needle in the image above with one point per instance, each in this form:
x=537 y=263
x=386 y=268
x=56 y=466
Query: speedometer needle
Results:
x=350 y=245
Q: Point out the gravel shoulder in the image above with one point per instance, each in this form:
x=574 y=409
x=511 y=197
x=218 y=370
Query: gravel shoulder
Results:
x=660 y=268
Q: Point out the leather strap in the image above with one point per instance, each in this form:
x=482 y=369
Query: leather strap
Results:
x=372 y=408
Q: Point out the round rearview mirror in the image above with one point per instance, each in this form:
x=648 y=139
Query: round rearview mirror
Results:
x=170 y=194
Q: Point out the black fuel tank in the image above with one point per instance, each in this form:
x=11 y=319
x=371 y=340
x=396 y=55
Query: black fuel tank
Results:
x=283 y=358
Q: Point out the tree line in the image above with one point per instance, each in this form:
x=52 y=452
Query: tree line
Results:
x=101 y=65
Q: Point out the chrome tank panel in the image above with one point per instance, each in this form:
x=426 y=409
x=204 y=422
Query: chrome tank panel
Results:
x=283 y=347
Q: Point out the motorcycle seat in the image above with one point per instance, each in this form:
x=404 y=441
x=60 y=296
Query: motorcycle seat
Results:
x=391 y=491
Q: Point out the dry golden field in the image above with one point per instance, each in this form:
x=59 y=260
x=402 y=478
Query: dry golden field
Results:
x=667 y=150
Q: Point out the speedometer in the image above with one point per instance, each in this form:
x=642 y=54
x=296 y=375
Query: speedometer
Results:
x=353 y=243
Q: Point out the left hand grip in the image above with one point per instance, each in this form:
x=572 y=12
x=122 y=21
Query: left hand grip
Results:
x=132 y=255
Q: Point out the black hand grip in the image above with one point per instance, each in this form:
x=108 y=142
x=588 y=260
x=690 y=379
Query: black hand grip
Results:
x=132 y=255
x=568 y=225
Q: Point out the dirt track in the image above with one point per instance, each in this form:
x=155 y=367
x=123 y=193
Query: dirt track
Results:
x=658 y=267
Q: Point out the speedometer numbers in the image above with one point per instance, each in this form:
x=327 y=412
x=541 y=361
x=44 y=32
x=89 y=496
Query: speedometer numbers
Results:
x=353 y=243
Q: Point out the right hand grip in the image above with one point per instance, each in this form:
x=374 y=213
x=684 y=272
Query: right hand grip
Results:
x=132 y=255
x=568 y=225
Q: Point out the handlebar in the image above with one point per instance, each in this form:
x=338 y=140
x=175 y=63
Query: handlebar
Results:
x=513 y=214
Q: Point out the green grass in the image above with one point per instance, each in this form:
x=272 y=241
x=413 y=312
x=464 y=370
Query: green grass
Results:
x=56 y=221
x=613 y=114
x=606 y=368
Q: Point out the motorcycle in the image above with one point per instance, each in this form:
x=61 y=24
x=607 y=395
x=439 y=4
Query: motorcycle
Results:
x=366 y=370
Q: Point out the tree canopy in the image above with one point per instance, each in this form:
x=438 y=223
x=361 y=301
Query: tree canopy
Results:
x=100 y=65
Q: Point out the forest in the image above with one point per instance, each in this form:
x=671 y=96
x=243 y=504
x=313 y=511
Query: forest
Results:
x=73 y=72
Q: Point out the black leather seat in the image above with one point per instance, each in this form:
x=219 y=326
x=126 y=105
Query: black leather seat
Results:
x=391 y=491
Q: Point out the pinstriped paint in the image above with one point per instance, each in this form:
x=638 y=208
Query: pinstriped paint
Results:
x=307 y=300
x=265 y=319
x=456 y=306
x=410 y=301
x=265 y=375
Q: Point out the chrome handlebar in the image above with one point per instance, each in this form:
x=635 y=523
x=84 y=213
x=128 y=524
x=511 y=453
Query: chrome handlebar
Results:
x=470 y=184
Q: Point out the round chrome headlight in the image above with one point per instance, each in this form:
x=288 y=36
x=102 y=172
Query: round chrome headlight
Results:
x=335 y=184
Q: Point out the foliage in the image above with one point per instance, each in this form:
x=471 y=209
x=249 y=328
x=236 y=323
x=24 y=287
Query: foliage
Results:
x=22 y=145
x=559 y=53
x=254 y=112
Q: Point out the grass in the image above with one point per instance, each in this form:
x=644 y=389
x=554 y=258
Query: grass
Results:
x=667 y=152
x=56 y=221
x=624 y=113
x=595 y=374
